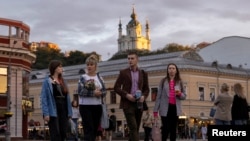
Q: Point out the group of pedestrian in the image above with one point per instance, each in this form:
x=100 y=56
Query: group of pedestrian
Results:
x=167 y=104
x=133 y=88
x=231 y=110
x=58 y=109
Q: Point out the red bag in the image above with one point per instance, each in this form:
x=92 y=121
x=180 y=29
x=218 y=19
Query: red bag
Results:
x=156 y=131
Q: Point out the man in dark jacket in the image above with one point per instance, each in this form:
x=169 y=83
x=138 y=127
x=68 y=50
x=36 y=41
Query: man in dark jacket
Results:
x=132 y=86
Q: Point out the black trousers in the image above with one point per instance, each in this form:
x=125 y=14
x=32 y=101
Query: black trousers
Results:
x=58 y=125
x=147 y=131
x=169 y=123
x=91 y=116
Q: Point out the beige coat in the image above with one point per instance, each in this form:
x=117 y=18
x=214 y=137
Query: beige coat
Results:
x=223 y=107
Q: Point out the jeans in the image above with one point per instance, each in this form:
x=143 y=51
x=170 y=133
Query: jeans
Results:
x=76 y=127
x=194 y=136
x=222 y=122
x=240 y=122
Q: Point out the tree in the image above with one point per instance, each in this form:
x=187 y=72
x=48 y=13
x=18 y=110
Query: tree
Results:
x=44 y=55
x=75 y=57
x=174 y=47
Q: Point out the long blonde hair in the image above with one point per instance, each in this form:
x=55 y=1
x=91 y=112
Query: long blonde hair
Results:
x=238 y=89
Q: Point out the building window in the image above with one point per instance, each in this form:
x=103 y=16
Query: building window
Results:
x=25 y=83
x=112 y=97
x=201 y=93
x=154 y=91
x=3 y=80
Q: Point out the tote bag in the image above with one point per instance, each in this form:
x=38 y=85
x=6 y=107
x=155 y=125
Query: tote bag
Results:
x=156 y=131
x=104 y=118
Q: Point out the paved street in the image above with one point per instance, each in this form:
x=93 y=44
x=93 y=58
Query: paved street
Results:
x=126 y=140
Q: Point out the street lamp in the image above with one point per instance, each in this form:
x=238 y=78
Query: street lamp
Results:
x=8 y=114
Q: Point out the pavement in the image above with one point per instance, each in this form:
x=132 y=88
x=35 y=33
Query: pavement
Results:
x=126 y=140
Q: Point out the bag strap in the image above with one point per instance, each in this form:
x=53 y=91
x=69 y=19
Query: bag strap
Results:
x=103 y=86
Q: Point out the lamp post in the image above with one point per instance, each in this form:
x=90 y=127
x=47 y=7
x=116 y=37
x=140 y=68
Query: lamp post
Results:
x=8 y=114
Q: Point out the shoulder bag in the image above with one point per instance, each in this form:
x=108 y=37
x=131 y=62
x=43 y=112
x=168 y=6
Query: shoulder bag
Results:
x=104 y=117
x=156 y=131
x=212 y=111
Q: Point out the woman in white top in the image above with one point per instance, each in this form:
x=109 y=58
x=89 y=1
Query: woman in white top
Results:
x=91 y=90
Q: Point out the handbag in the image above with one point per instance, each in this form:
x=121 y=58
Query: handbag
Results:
x=72 y=127
x=212 y=111
x=156 y=131
x=145 y=106
x=104 y=117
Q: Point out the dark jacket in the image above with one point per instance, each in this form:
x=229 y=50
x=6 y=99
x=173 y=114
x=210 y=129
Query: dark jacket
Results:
x=239 y=108
x=123 y=85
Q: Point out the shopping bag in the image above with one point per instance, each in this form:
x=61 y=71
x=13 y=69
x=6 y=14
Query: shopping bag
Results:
x=104 y=118
x=72 y=127
x=212 y=111
x=156 y=131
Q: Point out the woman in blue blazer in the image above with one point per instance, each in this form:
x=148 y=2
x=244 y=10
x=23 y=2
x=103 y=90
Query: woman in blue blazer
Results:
x=55 y=101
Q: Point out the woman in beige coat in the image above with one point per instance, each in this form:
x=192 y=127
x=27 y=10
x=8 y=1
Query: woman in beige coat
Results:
x=223 y=104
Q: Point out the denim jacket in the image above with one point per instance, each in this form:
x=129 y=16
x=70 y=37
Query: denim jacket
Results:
x=48 y=101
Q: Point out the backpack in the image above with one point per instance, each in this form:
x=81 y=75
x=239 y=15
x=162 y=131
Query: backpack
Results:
x=111 y=124
x=112 y=121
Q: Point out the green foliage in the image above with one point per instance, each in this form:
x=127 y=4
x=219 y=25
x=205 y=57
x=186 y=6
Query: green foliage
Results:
x=172 y=47
x=76 y=58
x=45 y=54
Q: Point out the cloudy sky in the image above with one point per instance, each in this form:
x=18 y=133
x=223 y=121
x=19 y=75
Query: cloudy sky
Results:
x=92 y=25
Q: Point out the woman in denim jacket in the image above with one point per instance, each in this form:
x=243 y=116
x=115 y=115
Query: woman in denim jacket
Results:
x=55 y=102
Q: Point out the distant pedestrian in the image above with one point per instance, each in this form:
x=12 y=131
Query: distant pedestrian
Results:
x=99 y=133
x=240 y=107
x=223 y=103
x=147 y=121
x=195 y=131
x=112 y=126
x=204 y=131
x=76 y=115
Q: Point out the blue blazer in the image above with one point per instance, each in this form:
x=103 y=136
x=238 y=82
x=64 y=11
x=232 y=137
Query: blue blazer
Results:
x=48 y=101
